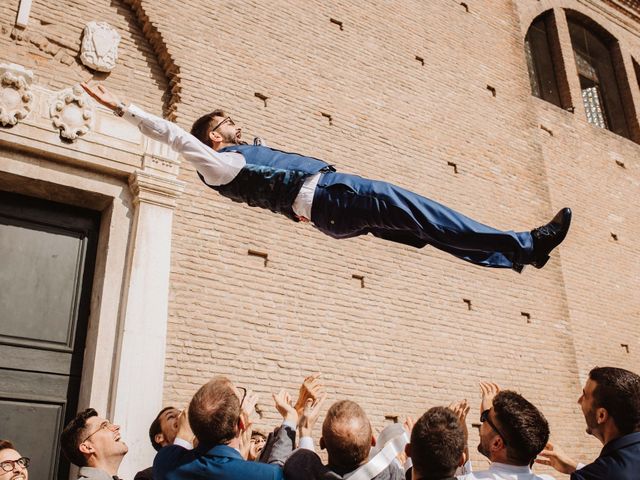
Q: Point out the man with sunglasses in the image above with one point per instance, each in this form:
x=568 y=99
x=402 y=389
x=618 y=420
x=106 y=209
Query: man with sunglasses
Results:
x=340 y=205
x=94 y=444
x=512 y=433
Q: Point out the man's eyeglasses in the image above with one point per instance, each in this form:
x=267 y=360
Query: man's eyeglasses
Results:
x=10 y=465
x=244 y=394
x=484 y=417
x=227 y=119
x=106 y=425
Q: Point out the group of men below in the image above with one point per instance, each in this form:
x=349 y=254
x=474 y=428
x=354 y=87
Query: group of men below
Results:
x=213 y=438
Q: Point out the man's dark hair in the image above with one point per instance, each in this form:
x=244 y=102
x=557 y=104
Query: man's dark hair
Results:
x=214 y=412
x=4 y=444
x=72 y=437
x=202 y=126
x=618 y=392
x=156 y=428
x=525 y=428
x=437 y=443
x=346 y=433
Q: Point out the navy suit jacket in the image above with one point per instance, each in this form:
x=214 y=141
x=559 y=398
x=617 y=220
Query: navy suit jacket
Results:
x=619 y=460
x=220 y=463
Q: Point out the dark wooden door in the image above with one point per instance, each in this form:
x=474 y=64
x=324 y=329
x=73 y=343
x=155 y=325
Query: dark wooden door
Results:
x=47 y=257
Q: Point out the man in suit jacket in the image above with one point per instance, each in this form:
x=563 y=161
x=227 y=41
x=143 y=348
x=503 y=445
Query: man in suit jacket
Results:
x=221 y=428
x=610 y=403
x=340 y=205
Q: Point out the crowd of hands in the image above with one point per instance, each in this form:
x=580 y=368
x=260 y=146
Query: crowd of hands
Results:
x=307 y=409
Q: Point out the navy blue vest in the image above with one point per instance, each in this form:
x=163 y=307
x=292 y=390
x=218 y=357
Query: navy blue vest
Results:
x=270 y=179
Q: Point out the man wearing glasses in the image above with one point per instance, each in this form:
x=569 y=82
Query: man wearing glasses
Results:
x=13 y=466
x=93 y=443
x=339 y=205
x=512 y=433
x=219 y=417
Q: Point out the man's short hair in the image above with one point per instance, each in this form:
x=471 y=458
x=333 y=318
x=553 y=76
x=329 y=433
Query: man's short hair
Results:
x=73 y=435
x=618 y=392
x=202 y=126
x=437 y=443
x=214 y=412
x=346 y=434
x=156 y=428
x=5 y=444
x=525 y=427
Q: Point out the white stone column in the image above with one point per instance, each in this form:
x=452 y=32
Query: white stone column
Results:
x=137 y=392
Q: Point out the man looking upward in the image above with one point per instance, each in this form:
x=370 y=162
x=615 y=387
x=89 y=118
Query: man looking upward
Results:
x=339 y=205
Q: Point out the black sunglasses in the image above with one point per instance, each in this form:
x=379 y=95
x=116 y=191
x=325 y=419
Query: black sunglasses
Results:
x=484 y=417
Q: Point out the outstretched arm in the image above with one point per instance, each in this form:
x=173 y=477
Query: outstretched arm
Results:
x=216 y=168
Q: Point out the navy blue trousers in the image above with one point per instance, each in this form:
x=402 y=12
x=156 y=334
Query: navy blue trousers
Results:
x=346 y=206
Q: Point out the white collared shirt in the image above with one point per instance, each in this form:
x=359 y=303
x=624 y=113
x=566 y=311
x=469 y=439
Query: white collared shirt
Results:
x=217 y=168
x=502 y=471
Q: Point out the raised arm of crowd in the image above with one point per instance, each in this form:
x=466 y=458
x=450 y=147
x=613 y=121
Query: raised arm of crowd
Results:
x=213 y=438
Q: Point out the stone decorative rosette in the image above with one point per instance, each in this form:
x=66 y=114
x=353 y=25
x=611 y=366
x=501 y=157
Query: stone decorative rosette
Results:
x=71 y=113
x=99 y=49
x=16 y=99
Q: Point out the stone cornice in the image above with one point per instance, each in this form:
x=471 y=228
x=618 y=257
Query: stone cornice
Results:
x=630 y=8
x=151 y=188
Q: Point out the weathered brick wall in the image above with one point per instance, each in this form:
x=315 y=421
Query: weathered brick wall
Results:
x=407 y=340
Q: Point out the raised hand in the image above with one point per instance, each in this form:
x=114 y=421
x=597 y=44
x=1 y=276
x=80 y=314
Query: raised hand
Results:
x=245 y=440
x=250 y=404
x=489 y=391
x=461 y=409
x=311 y=388
x=310 y=414
x=184 y=429
x=101 y=95
x=284 y=407
x=557 y=459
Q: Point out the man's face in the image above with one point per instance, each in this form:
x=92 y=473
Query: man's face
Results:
x=256 y=446
x=169 y=425
x=228 y=130
x=487 y=436
x=103 y=438
x=588 y=407
x=8 y=460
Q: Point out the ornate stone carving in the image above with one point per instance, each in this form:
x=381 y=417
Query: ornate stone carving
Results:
x=16 y=99
x=99 y=50
x=71 y=113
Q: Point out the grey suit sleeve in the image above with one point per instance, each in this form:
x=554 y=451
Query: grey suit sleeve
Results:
x=279 y=446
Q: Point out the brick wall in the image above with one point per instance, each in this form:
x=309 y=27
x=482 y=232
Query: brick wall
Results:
x=407 y=340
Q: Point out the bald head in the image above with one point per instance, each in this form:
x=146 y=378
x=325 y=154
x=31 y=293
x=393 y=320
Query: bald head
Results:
x=346 y=434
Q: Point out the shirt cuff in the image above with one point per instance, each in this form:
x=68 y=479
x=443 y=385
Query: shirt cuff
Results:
x=133 y=114
x=306 y=443
x=290 y=424
x=579 y=466
x=183 y=443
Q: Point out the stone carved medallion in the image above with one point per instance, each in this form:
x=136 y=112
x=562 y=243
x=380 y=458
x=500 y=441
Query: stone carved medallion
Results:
x=16 y=99
x=99 y=50
x=71 y=113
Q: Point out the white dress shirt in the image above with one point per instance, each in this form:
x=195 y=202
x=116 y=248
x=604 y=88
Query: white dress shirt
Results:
x=217 y=168
x=501 y=471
